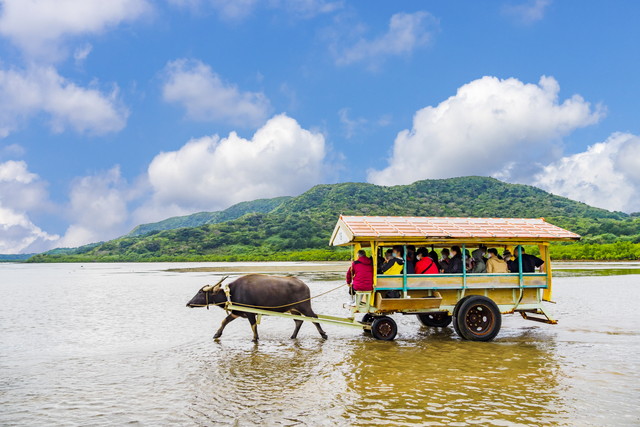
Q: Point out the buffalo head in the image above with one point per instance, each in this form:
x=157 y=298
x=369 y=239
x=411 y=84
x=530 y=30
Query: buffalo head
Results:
x=208 y=295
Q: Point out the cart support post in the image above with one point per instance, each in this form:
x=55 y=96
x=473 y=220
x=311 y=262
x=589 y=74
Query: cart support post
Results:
x=546 y=293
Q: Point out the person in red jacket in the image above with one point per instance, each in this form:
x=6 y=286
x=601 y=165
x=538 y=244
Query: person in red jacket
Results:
x=425 y=264
x=360 y=274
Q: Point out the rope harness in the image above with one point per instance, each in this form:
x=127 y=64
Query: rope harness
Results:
x=228 y=302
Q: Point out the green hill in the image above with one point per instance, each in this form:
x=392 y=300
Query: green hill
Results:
x=300 y=227
x=202 y=218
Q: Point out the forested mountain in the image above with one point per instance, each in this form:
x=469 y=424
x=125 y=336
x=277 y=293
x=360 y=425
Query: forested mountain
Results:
x=300 y=227
x=201 y=218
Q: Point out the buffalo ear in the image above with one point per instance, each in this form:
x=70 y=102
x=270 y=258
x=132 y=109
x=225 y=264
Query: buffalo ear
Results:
x=216 y=288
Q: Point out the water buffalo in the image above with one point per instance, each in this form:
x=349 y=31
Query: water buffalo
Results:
x=259 y=290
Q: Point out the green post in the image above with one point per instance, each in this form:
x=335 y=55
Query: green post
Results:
x=404 y=271
x=520 y=276
x=464 y=266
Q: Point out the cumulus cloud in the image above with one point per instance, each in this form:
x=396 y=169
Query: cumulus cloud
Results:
x=206 y=97
x=211 y=173
x=19 y=235
x=98 y=208
x=406 y=32
x=39 y=27
x=606 y=175
x=21 y=191
x=25 y=93
x=528 y=12
x=504 y=128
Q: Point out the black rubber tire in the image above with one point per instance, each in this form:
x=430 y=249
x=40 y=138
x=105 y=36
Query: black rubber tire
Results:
x=384 y=328
x=478 y=319
x=367 y=318
x=456 y=327
x=438 y=319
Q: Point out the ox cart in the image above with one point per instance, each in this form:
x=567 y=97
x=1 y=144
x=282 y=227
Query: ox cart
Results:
x=473 y=302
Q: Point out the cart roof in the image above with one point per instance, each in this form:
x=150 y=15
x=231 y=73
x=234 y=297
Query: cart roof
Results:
x=350 y=229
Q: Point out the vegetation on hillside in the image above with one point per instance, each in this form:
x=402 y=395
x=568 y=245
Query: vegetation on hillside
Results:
x=202 y=218
x=299 y=228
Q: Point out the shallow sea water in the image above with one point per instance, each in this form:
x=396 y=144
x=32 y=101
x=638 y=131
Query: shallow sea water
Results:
x=113 y=344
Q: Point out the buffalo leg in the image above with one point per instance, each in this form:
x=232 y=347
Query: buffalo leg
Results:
x=254 y=325
x=323 y=334
x=224 y=323
x=307 y=311
x=295 y=331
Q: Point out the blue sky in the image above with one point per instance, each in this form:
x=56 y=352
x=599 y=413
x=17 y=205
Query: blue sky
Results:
x=128 y=111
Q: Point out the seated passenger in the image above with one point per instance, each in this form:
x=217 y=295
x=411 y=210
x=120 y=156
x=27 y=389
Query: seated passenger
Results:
x=529 y=263
x=426 y=264
x=411 y=259
x=382 y=261
x=468 y=261
x=360 y=274
x=495 y=264
x=478 y=262
x=396 y=264
x=444 y=259
x=455 y=262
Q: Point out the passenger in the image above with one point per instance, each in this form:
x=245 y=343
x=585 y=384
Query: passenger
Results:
x=425 y=264
x=478 y=263
x=529 y=263
x=455 y=262
x=484 y=254
x=387 y=257
x=468 y=261
x=444 y=259
x=495 y=264
x=396 y=264
x=411 y=259
x=434 y=256
x=360 y=274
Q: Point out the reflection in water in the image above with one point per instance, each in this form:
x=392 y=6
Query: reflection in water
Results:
x=442 y=381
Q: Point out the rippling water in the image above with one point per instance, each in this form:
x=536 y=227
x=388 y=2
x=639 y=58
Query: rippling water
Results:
x=110 y=344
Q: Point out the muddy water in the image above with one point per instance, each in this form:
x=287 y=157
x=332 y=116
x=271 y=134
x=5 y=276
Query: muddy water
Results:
x=113 y=344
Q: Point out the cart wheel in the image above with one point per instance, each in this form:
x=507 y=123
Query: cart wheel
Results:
x=478 y=319
x=440 y=319
x=367 y=318
x=384 y=328
x=456 y=309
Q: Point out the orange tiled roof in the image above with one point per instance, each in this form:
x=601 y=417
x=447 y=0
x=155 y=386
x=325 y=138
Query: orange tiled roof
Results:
x=435 y=227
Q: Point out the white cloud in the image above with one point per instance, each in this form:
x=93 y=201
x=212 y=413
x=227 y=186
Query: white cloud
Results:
x=351 y=125
x=41 y=89
x=528 y=12
x=19 y=235
x=407 y=32
x=234 y=10
x=606 y=175
x=206 y=97
x=503 y=128
x=39 y=27
x=212 y=173
x=307 y=8
x=81 y=53
x=98 y=207
x=21 y=191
